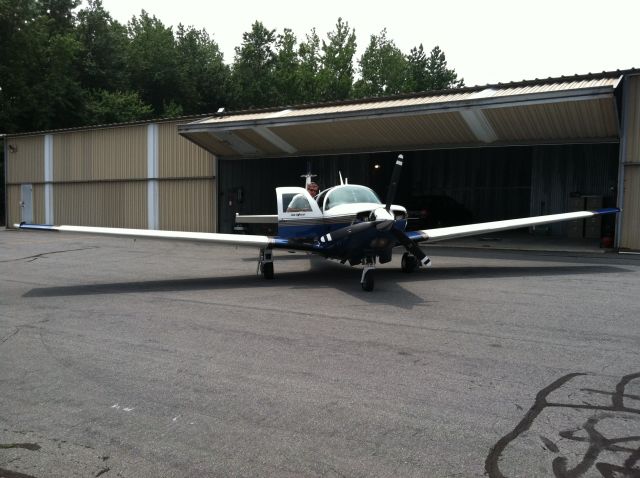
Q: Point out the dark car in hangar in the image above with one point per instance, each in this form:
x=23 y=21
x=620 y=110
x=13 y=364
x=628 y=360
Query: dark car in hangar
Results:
x=431 y=211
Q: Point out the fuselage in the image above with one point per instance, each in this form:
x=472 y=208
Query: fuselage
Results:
x=335 y=209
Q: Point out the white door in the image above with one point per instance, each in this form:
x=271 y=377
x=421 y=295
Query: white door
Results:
x=26 y=203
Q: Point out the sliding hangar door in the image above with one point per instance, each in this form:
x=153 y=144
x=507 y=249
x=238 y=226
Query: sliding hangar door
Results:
x=496 y=152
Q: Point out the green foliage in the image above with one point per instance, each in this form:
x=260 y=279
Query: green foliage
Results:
x=103 y=61
x=383 y=68
x=65 y=65
x=152 y=60
x=310 y=62
x=116 y=107
x=430 y=73
x=336 y=73
x=202 y=74
x=253 y=68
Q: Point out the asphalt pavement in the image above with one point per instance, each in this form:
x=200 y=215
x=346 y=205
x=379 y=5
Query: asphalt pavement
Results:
x=122 y=358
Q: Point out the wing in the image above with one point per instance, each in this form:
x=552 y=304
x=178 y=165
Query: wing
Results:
x=273 y=242
x=234 y=239
x=444 y=233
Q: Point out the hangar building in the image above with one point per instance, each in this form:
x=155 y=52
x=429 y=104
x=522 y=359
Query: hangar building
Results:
x=498 y=151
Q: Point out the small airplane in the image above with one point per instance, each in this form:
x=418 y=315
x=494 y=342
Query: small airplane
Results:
x=347 y=222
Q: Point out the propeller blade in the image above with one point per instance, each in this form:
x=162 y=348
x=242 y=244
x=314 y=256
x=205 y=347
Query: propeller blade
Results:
x=395 y=177
x=347 y=231
x=411 y=246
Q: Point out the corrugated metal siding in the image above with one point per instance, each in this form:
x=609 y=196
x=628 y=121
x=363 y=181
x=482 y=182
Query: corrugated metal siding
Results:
x=559 y=172
x=13 y=204
x=26 y=164
x=38 y=204
x=100 y=154
x=546 y=87
x=443 y=97
x=630 y=234
x=108 y=204
x=443 y=128
x=258 y=141
x=568 y=120
x=179 y=158
x=492 y=183
x=630 y=230
x=187 y=205
x=632 y=133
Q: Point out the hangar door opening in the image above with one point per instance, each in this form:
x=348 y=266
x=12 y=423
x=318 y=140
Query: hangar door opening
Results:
x=456 y=186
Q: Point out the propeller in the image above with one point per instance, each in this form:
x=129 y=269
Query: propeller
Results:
x=395 y=177
x=411 y=246
x=383 y=220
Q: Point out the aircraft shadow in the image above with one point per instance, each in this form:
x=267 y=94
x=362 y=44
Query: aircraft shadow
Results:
x=327 y=275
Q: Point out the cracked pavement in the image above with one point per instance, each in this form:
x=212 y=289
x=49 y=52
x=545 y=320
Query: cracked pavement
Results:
x=123 y=358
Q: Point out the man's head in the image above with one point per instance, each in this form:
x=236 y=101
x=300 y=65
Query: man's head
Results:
x=313 y=189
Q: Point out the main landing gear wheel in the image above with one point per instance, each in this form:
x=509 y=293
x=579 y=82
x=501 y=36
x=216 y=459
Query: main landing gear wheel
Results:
x=267 y=270
x=368 y=281
x=265 y=263
x=409 y=262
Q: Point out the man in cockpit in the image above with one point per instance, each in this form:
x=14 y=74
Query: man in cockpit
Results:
x=299 y=202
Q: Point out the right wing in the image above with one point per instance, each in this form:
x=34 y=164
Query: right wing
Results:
x=233 y=239
x=248 y=240
x=444 y=233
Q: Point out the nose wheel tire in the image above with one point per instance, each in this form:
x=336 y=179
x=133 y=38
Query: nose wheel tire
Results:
x=409 y=262
x=368 y=281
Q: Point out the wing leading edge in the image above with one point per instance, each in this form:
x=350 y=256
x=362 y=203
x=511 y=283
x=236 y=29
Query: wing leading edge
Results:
x=216 y=238
x=444 y=233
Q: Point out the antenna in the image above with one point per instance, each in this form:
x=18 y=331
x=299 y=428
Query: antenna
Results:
x=308 y=176
x=341 y=181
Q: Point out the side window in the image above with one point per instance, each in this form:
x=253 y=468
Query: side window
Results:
x=320 y=198
x=295 y=203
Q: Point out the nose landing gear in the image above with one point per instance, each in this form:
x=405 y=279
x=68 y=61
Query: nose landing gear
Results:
x=367 y=280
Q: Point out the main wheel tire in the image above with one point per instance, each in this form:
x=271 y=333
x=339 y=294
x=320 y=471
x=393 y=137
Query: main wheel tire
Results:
x=409 y=263
x=368 y=282
x=267 y=270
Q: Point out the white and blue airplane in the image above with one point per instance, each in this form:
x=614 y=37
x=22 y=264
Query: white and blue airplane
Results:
x=347 y=222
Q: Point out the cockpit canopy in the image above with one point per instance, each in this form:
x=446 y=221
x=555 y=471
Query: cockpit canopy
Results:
x=347 y=194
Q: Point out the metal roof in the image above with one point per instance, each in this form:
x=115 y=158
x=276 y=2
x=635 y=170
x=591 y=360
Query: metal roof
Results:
x=576 y=109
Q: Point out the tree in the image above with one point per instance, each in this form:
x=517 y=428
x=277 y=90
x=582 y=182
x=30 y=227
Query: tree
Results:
x=104 y=43
x=430 y=73
x=310 y=58
x=116 y=107
x=336 y=72
x=383 y=68
x=152 y=61
x=201 y=71
x=39 y=86
x=286 y=70
x=253 y=67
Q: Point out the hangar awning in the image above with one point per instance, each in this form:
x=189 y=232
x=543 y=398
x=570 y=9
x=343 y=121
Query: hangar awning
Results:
x=581 y=109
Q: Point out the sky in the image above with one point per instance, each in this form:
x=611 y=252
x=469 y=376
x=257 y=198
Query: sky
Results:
x=485 y=41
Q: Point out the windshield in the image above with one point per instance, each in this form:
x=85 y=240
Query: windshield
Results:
x=350 y=195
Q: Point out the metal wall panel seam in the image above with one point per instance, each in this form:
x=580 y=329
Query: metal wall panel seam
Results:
x=152 y=175
x=621 y=161
x=6 y=179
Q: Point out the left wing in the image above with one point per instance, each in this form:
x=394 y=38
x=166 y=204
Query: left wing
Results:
x=444 y=233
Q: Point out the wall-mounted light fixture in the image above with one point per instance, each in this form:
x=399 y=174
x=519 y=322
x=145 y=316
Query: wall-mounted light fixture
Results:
x=13 y=148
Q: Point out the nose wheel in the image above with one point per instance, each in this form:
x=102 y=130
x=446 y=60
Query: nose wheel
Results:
x=367 y=281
